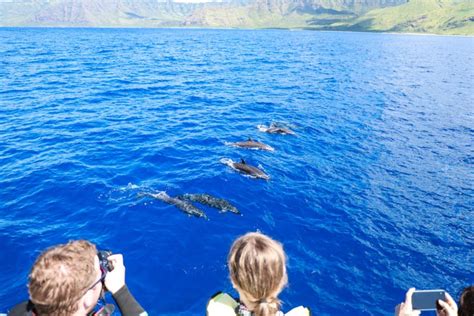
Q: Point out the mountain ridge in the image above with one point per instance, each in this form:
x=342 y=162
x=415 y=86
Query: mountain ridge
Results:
x=423 y=16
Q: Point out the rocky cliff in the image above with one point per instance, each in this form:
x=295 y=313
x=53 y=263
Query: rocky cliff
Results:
x=436 y=16
x=153 y=13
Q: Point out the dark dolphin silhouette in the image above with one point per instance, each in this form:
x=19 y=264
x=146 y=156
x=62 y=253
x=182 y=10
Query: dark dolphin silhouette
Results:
x=211 y=201
x=243 y=167
x=275 y=129
x=183 y=205
x=252 y=144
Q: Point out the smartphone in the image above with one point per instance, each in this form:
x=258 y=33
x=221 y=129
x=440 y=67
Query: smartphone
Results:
x=425 y=300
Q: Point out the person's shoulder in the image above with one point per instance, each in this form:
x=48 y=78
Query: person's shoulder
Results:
x=221 y=304
x=23 y=309
x=299 y=311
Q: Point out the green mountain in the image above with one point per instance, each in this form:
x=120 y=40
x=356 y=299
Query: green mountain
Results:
x=94 y=13
x=285 y=13
x=425 y=16
x=420 y=16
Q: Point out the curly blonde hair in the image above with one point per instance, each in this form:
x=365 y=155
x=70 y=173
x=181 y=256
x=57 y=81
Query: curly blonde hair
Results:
x=60 y=277
x=257 y=267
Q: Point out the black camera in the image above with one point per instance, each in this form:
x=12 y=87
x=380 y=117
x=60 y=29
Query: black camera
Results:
x=103 y=261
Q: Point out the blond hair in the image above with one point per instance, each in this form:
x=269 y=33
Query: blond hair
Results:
x=60 y=277
x=257 y=267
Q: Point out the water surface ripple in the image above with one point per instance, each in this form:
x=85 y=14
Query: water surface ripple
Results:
x=372 y=196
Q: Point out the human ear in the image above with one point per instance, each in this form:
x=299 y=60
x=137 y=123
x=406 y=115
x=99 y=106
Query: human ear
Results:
x=87 y=301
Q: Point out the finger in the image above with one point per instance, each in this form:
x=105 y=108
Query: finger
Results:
x=116 y=259
x=408 y=298
x=397 y=309
x=450 y=301
x=444 y=305
x=117 y=262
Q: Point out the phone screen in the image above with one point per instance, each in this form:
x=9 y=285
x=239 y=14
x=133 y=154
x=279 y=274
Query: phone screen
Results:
x=426 y=300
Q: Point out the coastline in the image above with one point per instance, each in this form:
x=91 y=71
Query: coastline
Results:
x=234 y=28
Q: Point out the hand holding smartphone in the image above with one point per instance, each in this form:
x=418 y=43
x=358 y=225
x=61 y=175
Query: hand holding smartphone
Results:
x=417 y=301
x=425 y=300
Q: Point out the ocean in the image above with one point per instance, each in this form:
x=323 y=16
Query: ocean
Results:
x=373 y=195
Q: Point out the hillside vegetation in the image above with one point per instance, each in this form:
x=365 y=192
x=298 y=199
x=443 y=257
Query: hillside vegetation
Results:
x=424 y=16
x=436 y=16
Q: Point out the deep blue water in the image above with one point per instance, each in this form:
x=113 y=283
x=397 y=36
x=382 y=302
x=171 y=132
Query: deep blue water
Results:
x=374 y=194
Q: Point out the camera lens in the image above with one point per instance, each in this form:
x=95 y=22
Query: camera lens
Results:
x=103 y=261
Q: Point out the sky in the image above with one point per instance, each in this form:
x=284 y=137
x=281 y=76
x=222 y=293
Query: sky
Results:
x=181 y=1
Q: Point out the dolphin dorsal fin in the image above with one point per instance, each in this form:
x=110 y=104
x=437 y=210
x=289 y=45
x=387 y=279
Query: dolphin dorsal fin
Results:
x=242 y=161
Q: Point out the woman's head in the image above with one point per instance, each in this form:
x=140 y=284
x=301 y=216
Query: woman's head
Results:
x=466 y=302
x=257 y=267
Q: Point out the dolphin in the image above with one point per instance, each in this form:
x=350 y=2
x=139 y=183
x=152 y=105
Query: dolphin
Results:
x=211 y=201
x=243 y=167
x=184 y=206
x=252 y=144
x=275 y=129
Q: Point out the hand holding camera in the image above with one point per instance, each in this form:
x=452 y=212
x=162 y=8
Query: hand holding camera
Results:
x=113 y=264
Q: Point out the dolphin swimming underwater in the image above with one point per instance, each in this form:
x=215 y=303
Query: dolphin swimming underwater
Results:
x=243 y=167
x=252 y=144
x=184 y=206
x=211 y=201
x=275 y=129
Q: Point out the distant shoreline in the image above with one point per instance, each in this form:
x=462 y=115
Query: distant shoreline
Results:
x=236 y=28
x=381 y=32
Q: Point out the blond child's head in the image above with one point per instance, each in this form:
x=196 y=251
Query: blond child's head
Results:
x=257 y=267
